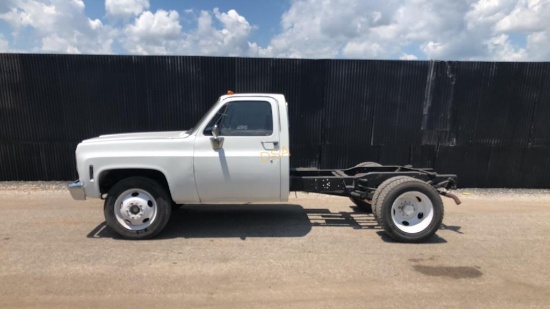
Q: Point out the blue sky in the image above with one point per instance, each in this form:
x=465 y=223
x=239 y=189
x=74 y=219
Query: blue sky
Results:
x=493 y=30
x=265 y=15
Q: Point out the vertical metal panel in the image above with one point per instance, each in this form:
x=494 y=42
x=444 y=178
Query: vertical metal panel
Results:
x=486 y=121
x=11 y=97
x=504 y=166
x=253 y=75
x=304 y=80
x=348 y=110
x=539 y=134
x=496 y=102
x=470 y=86
x=8 y=162
x=535 y=168
x=438 y=105
x=423 y=155
x=372 y=103
x=399 y=94
x=470 y=162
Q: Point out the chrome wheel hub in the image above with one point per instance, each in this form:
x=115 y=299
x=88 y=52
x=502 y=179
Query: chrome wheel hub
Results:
x=135 y=209
x=412 y=212
x=408 y=210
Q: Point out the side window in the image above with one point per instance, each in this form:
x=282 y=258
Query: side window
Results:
x=244 y=118
x=215 y=120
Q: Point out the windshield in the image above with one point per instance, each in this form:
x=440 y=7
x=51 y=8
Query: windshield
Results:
x=193 y=129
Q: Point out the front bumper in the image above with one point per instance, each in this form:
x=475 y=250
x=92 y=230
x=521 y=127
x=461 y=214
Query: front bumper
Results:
x=77 y=190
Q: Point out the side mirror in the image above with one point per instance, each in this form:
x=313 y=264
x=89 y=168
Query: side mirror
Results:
x=215 y=131
x=217 y=141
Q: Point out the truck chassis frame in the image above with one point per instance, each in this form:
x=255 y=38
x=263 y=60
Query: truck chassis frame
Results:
x=362 y=181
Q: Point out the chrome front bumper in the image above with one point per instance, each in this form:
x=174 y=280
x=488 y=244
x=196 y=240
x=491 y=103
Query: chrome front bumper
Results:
x=77 y=190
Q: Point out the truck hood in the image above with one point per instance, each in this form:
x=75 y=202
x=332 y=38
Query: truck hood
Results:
x=137 y=136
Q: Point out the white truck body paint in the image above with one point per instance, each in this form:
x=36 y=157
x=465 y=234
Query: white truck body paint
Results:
x=245 y=169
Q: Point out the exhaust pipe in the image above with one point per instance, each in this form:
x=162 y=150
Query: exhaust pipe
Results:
x=450 y=195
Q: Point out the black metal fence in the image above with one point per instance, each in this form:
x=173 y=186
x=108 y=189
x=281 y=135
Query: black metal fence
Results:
x=488 y=122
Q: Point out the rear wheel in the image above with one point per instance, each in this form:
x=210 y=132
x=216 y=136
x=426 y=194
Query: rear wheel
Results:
x=409 y=210
x=381 y=188
x=367 y=164
x=137 y=208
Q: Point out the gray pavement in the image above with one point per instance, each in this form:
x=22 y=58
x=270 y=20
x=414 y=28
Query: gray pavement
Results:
x=492 y=252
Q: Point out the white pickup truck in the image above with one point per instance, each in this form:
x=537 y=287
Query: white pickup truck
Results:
x=239 y=153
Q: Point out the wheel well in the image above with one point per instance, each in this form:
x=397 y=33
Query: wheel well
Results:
x=109 y=178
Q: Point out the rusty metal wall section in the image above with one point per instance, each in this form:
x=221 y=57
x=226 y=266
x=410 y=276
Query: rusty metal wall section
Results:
x=486 y=121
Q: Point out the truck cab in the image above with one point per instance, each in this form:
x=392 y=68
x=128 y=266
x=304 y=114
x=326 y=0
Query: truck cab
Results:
x=238 y=152
x=241 y=150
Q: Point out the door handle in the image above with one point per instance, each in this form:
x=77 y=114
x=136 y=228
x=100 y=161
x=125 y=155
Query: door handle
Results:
x=270 y=145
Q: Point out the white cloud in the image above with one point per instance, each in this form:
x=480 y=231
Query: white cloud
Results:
x=356 y=49
x=156 y=33
x=33 y=14
x=151 y=26
x=125 y=8
x=62 y=26
x=230 y=40
x=217 y=33
x=4 y=46
x=330 y=29
x=526 y=16
x=364 y=29
x=501 y=48
x=391 y=29
x=538 y=46
x=58 y=26
x=408 y=57
x=464 y=30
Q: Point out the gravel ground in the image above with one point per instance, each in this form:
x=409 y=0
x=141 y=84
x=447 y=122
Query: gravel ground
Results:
x=313 y=252
x=27 y=187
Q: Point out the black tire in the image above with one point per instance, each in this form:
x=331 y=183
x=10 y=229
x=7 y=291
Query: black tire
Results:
x=155 y=190
x=366 y=164
x=176 y=207
x=428 y=224
x=363 y=205
x=383 y=186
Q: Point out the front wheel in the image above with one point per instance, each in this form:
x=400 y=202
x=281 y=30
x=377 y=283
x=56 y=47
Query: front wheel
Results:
x=137 y=208
x=409 y=210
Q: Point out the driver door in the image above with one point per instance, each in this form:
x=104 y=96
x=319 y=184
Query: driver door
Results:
x=237 y=166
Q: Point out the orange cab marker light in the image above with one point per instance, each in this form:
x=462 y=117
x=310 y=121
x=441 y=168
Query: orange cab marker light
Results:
x=230 y=92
